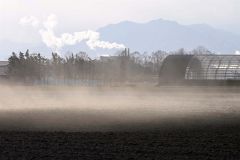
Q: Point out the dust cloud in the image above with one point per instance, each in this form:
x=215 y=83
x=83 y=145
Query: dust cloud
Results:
x=55 y=108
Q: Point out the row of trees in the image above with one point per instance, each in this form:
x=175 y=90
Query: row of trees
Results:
x=26 y=67
x=31 y=68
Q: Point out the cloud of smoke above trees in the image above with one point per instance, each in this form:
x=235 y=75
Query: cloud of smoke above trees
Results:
x=49 y=37
x=29 y=20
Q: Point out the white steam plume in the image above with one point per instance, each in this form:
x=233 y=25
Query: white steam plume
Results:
x=237 y=53
x=91 y=38
x=29 y=20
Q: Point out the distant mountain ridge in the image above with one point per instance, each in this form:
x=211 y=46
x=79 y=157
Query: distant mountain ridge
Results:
x=7 y=47
x=151 y=36
x=169 y=36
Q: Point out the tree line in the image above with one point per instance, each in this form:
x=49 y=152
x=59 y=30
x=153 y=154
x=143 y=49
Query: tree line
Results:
x=79 y=67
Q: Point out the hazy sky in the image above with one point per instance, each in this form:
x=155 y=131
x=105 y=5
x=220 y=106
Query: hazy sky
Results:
x=79 y=15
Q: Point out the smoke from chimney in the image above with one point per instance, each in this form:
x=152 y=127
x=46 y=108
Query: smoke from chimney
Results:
x=91 y=38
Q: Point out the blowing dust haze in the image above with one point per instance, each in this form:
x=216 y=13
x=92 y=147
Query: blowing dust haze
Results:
x=106 y=109
x=123 y=79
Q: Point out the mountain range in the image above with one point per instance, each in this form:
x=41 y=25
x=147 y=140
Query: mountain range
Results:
x=169 y=36
x=151 y=36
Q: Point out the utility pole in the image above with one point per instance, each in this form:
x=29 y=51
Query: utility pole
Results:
x=125 y=55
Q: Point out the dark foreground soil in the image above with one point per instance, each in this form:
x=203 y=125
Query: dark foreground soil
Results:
x=209 y=142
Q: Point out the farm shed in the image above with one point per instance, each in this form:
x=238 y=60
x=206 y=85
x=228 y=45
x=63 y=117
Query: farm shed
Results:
x=3 y=69
x=174 y=68
x=204 y=68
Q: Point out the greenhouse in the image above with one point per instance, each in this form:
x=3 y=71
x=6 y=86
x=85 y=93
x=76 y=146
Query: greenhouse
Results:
x=213 y=67
x=201 y=67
